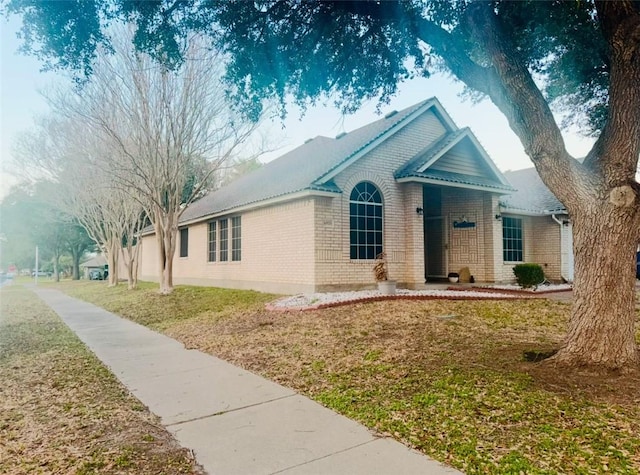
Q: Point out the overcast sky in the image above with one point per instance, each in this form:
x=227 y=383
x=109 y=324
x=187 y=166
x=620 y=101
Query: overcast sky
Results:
x=20 y=81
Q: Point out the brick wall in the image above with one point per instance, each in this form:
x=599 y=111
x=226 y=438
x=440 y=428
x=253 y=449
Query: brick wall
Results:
x=541 y=245
x=545 y=249
x=414 y=236
x=277 y=252
x=492 y=238
x=149 y=258
x=334 y=268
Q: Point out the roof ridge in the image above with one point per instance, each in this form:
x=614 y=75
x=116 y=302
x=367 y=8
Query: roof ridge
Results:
x=407 y=111
x=398 y=113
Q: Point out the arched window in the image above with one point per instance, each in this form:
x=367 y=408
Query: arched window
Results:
x=365 y=211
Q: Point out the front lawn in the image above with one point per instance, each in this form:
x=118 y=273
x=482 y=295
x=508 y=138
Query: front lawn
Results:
x=447 y=378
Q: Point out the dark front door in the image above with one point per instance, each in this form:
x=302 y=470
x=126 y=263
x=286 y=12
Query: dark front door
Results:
x=434 y=233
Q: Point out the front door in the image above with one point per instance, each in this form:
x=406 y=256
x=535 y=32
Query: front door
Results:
x=435 y=243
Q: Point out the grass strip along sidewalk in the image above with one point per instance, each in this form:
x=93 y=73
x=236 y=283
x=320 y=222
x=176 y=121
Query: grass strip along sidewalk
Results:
x=445 y=377
x=62 y=411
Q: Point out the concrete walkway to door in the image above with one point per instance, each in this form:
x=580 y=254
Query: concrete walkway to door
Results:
x=235 y=422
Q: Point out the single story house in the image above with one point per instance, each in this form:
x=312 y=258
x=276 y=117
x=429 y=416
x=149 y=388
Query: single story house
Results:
x=97 y=262
x=412 y=184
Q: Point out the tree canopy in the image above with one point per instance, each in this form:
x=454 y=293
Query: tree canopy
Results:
x=350 y=50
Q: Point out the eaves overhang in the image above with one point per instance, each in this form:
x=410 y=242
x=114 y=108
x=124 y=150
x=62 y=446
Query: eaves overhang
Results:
x=297 y=195
x=502 y=190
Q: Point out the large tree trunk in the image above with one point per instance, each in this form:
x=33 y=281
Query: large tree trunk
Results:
x=606 y=213
x=601 y=331
x=56 y=267
x=166 y=286
x=600 y=194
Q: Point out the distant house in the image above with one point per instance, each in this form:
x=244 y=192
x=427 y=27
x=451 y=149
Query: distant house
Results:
x=412 y=184
x=97 y=262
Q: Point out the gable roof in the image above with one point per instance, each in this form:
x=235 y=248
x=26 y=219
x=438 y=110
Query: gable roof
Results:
x=429 y=165
x=532 y=195
x=309 y=168
x=96 y=261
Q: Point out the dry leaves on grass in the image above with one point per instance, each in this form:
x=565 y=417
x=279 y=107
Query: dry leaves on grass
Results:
x=445 y=377
x=61 y=411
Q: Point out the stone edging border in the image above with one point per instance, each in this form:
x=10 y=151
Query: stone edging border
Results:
x=508 y=291
x=378 y=298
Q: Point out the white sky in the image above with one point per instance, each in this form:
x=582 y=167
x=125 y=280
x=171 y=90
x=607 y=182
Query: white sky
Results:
x=20 y=81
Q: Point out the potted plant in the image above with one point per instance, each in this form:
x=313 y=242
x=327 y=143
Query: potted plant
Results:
x=454 y=277
x=381 y=274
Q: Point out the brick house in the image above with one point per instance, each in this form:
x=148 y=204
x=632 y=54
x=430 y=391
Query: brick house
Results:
x=412 y=184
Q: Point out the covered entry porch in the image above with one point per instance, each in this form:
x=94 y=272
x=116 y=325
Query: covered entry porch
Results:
x=456 y=187
x=460 y=230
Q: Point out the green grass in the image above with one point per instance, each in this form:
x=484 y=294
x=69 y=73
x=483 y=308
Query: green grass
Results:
x=490 y=422
x=147 y=307
x=456 y=389
x=62 y=411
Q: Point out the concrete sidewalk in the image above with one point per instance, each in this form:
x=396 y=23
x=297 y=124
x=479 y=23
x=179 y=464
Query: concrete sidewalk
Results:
x=234 y=421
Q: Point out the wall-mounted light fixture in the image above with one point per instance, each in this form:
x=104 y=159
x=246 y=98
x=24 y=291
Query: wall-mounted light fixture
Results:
x=498 y=217
x=420 y=211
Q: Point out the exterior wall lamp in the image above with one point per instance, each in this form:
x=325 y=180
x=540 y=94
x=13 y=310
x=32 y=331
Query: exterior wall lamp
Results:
x=419 y=211
x=498 y=217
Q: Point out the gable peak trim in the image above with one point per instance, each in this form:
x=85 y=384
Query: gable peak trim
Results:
x=432 y=103
x=460 y=135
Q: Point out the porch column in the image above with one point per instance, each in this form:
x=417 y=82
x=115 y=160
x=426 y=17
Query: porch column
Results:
x=414 y=236
x=492 y=239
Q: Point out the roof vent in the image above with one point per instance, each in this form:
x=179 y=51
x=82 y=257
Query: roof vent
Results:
x=390 y=114
x=340 y=135
x=308 y=140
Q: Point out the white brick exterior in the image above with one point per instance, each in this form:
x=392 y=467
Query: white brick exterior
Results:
x=277 y=252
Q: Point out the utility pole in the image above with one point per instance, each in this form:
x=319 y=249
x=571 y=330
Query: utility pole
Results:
x=36 y=265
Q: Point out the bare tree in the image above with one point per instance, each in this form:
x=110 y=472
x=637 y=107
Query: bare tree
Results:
x=66 y=152
x=166 y=131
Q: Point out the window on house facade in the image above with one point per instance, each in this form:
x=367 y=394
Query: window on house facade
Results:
x=184 y=242
x=365 y=216
x=236 y=238
x=224 y=240
x=511 y=239
x=212 y=241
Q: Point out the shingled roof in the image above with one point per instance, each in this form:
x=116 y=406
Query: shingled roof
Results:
x=532 y=195
x=96 y=261
x=306 y=168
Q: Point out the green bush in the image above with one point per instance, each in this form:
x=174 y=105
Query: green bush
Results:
x=528 y=275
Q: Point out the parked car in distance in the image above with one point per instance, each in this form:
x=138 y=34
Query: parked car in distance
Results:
x=96 y=274
x=41 y=273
